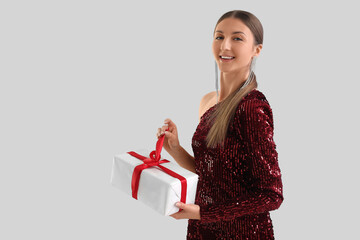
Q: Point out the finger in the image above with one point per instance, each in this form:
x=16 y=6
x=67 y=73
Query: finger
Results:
x=169 y=135
x=180 y=205
x=171 y=124
x=164 y=127
x=162 y=131
x=158 y=133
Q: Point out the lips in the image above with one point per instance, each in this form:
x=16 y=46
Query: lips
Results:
x=224 y=58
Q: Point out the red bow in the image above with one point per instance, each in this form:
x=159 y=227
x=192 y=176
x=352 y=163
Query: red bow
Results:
x=154 y=160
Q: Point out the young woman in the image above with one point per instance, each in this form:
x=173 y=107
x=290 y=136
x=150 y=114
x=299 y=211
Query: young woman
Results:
x=234 y=152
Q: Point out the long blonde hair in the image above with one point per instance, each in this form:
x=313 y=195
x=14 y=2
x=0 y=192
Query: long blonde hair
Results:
x=225 y=110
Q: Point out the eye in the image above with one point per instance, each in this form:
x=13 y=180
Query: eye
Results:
x=217 y=38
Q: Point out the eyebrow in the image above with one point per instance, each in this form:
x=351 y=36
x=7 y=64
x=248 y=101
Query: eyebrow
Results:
x=232 y=33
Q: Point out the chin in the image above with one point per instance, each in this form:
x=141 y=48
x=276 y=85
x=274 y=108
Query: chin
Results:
x=226 y=69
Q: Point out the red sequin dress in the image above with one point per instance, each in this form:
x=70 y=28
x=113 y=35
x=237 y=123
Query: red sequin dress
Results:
x=240 y=184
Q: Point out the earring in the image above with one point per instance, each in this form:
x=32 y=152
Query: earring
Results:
x=216 y=83
x=253 y=63
x=251 y=72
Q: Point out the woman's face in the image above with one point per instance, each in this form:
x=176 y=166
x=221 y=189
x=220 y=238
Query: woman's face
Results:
x=232 y=38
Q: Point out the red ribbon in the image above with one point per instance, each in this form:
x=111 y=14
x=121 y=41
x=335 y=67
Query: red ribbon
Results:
x=154 y=160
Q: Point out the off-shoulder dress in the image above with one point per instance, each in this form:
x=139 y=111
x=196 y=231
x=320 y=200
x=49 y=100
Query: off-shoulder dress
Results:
x=239 y=184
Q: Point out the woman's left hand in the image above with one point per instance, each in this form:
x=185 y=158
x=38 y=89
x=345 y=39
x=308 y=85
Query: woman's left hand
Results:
x=189 y=211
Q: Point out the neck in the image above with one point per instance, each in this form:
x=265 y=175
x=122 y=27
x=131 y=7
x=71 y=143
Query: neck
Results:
x=231 y=81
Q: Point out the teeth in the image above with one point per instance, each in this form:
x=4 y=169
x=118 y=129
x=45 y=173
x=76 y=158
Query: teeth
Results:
x=227 y=57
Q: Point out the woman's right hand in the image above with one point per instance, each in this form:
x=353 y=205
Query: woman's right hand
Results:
x=171 y=141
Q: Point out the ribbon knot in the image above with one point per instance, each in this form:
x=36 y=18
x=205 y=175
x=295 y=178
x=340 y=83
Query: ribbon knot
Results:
x=153 y=160
x=148 y=160
x=155 y=155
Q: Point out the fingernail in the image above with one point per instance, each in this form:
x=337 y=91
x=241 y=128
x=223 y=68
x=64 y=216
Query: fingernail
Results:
x=178 y=204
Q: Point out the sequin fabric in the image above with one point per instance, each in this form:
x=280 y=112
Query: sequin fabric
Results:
x=239 y=184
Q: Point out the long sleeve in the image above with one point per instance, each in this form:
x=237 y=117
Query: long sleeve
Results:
x=255 y=124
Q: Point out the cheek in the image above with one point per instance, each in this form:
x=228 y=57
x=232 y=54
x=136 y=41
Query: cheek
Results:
x=213 y=46
x=215 y=49
x=243 y=54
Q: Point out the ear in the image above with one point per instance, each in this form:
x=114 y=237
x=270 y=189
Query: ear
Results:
x=258 y=49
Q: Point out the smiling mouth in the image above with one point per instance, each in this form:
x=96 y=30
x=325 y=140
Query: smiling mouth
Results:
x=226 y=57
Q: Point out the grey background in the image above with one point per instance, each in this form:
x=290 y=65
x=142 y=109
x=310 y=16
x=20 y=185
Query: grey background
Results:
x=82 y=81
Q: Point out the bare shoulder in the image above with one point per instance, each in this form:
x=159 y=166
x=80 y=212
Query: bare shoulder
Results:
x=207 y=101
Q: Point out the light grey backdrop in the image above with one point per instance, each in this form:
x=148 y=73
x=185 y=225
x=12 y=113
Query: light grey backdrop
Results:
x=82 y=81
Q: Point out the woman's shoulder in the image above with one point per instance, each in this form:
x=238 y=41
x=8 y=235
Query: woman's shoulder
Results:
x=254 y=97
x=255 y=102
x=206 y=102
x=210 y=98
x=254 y=107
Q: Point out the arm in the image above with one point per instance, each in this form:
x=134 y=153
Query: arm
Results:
x=183 y=158
x=265 y=185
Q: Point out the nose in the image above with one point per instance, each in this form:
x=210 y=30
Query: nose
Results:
x=226 y=44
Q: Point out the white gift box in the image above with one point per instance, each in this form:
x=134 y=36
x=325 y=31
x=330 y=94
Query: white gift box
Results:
x=157 y=189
